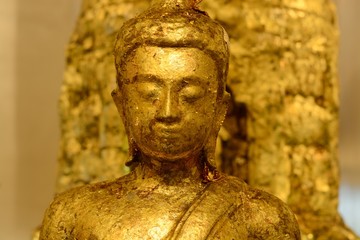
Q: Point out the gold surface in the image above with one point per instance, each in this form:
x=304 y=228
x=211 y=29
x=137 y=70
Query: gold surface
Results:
x=281 y=130
x=171 y=64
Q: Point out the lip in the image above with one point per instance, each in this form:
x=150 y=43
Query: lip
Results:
x=168 y=132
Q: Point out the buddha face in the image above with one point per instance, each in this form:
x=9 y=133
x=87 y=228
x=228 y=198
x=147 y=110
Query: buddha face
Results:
x=169 y=101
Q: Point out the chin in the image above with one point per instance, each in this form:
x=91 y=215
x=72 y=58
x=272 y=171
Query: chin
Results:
x=169 y=156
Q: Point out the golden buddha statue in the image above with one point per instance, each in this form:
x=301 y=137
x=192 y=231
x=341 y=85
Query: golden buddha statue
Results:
x=282 y=73
x=171 y=64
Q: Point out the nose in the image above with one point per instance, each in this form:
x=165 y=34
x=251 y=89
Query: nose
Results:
x=169 y=111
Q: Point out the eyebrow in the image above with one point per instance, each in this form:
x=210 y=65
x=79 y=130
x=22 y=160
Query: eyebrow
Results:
x=193 y=80
x=147 y=78
x=141 y=78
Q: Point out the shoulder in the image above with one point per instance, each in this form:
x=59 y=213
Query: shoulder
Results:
x=57 y=217
x=270 y=216
x=265 y=216
x=60 y=216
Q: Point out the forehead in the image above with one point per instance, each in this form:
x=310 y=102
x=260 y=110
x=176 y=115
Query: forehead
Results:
x=170 y=63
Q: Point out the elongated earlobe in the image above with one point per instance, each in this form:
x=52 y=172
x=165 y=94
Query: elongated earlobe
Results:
x=116 y=95
x=210 y=171
x=133 y=159
x=133 y=150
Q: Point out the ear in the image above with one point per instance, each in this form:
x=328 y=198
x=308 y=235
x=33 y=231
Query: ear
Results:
x=118 y=100
x=210 y=146
x=222 y=110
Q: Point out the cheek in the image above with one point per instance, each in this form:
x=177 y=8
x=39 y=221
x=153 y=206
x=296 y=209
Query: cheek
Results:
x=200 y=118
x=204 y=110
x=137 y=117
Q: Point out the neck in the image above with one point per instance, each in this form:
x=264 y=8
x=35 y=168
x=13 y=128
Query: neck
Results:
x=174 y=3
x=170 y=172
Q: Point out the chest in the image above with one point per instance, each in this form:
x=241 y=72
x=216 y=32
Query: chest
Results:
x=134 y=215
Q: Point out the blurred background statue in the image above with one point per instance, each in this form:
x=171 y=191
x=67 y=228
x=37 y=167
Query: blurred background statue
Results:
x=280 y=134
x=93 y=147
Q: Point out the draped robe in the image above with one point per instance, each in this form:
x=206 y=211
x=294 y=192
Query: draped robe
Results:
x=132 y=208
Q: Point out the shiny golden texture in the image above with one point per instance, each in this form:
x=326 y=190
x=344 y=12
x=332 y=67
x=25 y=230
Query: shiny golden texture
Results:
x=281 y=130
x=172 y=102
x=136 y=208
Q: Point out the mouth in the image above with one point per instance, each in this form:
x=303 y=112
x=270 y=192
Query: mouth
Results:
x=167 y=132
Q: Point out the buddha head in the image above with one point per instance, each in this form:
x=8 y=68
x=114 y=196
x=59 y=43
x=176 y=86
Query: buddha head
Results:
x=171 y=64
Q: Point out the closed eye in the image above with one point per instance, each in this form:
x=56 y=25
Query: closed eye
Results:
x=191 y=93
x=148 y=90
